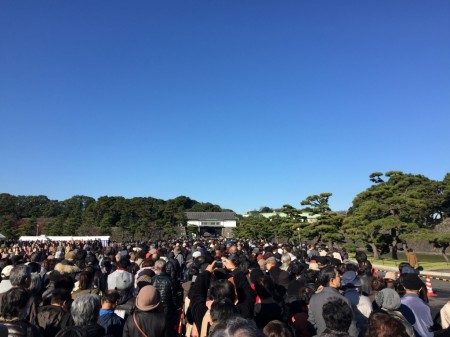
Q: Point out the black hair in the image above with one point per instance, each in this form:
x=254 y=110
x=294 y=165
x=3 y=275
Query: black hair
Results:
x=124 y=262
x=12 y=301
x=222 y=310
x=337 y=315
x=111 y=297
x=277 y=328
x=61 y=295
x=326 y=275
x=310 y=276
x=360 y=256
x=65 y=282
x=222 y=289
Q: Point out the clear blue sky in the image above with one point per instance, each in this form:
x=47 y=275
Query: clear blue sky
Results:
x=239 y=103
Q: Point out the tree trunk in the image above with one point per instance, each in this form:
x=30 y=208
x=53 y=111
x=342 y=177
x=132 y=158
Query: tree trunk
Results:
x=376 y=256
x=443 y=253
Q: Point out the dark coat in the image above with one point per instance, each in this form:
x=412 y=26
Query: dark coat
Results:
x=199 y=291
x=153 y=324
x=166 y=289
x=51 y=319
x=21 y=328
x=93 y=330
x=112 y=323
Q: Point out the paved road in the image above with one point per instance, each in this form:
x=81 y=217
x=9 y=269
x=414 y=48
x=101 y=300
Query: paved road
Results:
x=442 y=290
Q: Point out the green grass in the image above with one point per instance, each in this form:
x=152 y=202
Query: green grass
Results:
x=426 y=261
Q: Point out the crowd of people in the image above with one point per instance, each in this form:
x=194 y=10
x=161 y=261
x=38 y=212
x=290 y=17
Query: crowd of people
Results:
x=207 y=287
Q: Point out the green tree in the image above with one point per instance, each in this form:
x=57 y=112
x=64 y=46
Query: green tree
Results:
x=317 y=204
x=254 y=227
x=8 y=227
x=29 y=227
x=404 y=202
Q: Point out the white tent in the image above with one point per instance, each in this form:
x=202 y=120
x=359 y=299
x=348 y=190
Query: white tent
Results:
x=2 y=237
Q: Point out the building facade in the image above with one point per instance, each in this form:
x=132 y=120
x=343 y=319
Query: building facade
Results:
x=212 y=223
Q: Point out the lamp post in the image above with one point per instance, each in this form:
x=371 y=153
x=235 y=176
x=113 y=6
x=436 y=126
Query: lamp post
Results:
x=37 y=229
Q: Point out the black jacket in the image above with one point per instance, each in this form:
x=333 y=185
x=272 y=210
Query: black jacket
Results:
x=152 y=323
x=199 y=291
x=21 y=328
x=164 y=284
x=93 y=330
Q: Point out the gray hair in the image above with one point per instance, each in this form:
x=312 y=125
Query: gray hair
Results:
x=85 y=309
x=285 y=258
x=19 y=274
x=239 y=326
x=35 y=285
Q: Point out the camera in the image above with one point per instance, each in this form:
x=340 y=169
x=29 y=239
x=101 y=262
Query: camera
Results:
x=219 y=263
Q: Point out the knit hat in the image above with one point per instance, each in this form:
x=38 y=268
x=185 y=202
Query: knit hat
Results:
x=124 y=281
x=411 y=281
x=388 y=299
x=350 y=278
x=148 y=298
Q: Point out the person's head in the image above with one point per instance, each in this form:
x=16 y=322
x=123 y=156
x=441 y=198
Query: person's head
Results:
x=123 y=262
x=285 y=259
x=360 y=256
x=239 y=327
x=148 y=298
x=62 y=298
x=222 y=310
x=14 y=303
x=110 y=299
x=411 y=283
x=277 y=329
x=271 y=262
x=85 y=280
x=378 y=284
x=222 y=289
x=382 y=325
x=329 y=277
x=337 y=314
x=85 y=309
x=20 y=276
x=35 y=284
x=160 y=266
x=388 y=299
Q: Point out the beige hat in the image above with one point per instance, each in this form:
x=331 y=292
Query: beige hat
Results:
x=313 y=265
x=148 y=298
x=6 y=271
x=390 y=275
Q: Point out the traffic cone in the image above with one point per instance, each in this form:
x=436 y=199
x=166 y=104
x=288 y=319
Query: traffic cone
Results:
x=430 y=292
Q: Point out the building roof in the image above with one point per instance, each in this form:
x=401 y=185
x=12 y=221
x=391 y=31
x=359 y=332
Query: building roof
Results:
x=211 y=216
